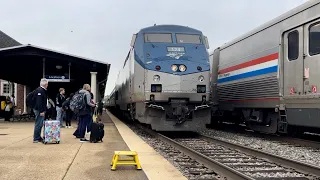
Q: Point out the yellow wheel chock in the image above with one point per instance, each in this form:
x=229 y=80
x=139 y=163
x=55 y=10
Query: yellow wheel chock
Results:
x=132 y=161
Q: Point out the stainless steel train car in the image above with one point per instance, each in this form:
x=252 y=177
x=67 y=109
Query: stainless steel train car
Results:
x=164 y=81
x=268 y=77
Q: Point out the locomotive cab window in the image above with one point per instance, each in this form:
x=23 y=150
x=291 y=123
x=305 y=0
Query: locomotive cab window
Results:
x=293 y=45
x=314 y=39
x=188 y=38
x=158 y=38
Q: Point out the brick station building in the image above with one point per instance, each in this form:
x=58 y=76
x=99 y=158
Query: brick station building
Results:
x=49 y=63
x=17 y=90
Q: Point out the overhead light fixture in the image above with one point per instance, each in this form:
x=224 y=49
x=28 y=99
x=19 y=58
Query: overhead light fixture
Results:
x=58 y=66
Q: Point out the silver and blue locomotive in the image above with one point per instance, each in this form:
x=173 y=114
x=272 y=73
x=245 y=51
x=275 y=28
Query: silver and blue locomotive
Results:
x=164 y=81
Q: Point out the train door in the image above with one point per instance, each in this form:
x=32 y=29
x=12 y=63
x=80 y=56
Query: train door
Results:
x=312 y=57
x=293 y=62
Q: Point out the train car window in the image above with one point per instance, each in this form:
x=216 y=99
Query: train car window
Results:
x=293 y=45
x=188 y=38
x=314 y=39
x=158 y=38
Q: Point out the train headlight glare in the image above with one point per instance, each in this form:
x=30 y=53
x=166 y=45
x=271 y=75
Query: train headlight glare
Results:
x=201 y=78
x=182 y=68
x=174 y=67
x=156 y=78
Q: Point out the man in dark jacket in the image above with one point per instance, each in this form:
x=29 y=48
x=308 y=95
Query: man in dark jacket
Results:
x=39 y=109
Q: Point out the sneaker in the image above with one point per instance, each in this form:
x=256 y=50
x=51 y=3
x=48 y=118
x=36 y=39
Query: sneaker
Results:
x=83 y=140
x=36 y=141
x=70 y=127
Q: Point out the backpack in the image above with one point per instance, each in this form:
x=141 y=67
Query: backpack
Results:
x=30 y=101
x=65 y=105
x=77 y=102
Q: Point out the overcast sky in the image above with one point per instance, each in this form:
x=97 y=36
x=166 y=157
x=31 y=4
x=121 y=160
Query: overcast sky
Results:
x=102 y=29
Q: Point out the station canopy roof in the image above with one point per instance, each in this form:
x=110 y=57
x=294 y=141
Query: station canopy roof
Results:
x=23 y=64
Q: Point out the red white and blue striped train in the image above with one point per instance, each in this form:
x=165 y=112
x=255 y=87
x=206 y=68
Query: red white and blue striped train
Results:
x=268 y=77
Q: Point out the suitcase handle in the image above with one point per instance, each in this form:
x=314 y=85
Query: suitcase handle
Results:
x=95 y=114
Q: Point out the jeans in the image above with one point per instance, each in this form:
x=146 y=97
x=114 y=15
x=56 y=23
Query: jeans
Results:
x=38 y=123
x=89 y=124
x=60 y=114
x=83 y=123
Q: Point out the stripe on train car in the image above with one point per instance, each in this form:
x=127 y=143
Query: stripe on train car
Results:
x=263 y=65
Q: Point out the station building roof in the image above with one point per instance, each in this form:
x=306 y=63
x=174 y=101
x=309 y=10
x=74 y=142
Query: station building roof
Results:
x=23 y=64
x=7 y=41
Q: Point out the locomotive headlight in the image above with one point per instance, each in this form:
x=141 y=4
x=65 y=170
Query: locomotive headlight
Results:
x=174 y=67
x=156 y=78
x=201 y=78
x=182 y=68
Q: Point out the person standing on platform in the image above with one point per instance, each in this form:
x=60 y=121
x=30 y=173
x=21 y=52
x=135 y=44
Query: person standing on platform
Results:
x=8 y=109
x=91 y=120
x=100 y=107
x=85 y=114
x=68 y=111
x=37 y=100
x=13 y=101
x=60 y=98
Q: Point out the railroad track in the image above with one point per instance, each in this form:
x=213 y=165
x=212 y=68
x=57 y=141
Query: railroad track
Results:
x=238 y=162
x=284 y=140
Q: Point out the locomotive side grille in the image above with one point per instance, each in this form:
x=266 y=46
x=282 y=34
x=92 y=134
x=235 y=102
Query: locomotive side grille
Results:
x=259 y=87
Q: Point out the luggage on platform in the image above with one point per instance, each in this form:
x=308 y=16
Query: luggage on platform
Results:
x=97 y=132
x=51 y=131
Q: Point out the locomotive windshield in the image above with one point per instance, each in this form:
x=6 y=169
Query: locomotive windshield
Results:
x=158 y=38
x=188 y=38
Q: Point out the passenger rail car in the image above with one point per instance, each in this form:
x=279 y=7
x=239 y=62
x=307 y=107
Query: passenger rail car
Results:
x=165 y=79
x=268 y=78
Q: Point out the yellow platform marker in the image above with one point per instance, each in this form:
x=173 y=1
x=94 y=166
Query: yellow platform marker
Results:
x=128 y=161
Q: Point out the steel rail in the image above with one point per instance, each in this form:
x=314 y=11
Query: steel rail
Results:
x=218 y=167
x=297 y=165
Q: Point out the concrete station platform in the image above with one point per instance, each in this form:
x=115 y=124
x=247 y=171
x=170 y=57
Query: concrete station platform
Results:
x=22 y=159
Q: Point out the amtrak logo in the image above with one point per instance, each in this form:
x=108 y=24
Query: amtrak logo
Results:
x=175 y=55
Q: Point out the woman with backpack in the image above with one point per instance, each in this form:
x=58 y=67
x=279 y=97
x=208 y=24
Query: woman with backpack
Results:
x=69 y=113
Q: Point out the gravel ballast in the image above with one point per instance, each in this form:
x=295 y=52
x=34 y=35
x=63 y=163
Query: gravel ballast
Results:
x=291 y=151
x=189 y=167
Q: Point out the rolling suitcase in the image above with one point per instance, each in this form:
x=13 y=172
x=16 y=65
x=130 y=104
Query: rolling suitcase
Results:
x=51 y=133
x=97 y=132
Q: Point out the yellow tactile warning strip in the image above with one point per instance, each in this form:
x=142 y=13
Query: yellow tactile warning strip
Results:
x=153 y=164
